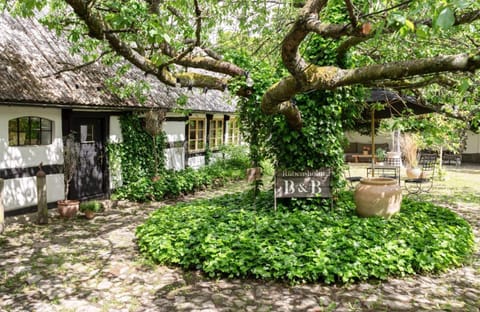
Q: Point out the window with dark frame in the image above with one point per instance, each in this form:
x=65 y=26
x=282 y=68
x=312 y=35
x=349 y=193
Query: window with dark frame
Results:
x=30 y=130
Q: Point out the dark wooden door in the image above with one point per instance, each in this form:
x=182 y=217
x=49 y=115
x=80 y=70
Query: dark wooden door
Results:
x=90 y=178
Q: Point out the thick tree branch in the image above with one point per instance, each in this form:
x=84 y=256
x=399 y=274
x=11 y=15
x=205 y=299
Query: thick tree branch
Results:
x=418 y=67
x=417 y=83
x=198 y=24
x=333 y=31
x=324 y=78
x=100 y=30
x=291 y=57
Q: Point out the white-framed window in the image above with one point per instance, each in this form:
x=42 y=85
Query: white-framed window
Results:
x=216 y=133
x=30 y=130
x=87 y=134
x=233 y=136
x=196 y=134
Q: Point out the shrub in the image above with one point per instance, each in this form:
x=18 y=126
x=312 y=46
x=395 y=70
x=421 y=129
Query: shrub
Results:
x=91 y=205
x=234 y=236
x=175 y=183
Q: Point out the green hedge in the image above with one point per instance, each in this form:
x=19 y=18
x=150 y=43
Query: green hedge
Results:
x=175 y=183
x=234 y=236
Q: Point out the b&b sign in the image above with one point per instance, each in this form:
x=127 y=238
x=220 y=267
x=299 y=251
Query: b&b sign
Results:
x=303 y=184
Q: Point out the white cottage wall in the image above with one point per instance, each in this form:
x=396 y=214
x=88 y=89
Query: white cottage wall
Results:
x=175 y=131
x=115 y=137
x=473 y=143
x=356 y=137
x=115 y=130
x=21 y=192
x=175 y=154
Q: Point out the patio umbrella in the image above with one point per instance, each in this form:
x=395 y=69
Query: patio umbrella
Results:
x=394 y=106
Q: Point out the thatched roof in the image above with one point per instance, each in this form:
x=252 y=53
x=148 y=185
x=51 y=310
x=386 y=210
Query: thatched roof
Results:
x=30 y=55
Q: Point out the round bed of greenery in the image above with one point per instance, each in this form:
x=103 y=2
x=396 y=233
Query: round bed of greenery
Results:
x=235 y=236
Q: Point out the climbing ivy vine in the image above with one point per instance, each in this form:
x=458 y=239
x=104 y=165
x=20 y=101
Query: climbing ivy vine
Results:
x=326 y=116
x=136 y=154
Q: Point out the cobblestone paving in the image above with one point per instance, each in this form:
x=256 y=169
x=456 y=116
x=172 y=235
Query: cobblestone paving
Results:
x=82 y=265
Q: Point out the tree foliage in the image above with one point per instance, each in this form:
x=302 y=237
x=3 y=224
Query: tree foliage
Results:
x=291 y=49
x=397 y=44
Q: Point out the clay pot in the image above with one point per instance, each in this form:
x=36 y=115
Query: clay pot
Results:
x=378 y=197
x=89 y=214
x=68 y=208
x=413 y=173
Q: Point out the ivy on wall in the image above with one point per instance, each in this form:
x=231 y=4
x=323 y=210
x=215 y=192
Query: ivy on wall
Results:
x=136 y=154
x=326 y=116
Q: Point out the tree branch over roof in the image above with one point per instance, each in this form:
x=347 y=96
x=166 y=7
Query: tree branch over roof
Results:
x=71 y=67
x=100 y=29
x=305 y=76
x=167 y=48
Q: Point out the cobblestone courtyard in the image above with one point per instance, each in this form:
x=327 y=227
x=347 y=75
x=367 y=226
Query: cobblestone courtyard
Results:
x=81 y=265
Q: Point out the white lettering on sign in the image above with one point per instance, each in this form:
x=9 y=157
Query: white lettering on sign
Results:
x=316 y=187
x=303 y=184
x=312 y=187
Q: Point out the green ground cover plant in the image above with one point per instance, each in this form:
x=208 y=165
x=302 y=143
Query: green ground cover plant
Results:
x=235 y=236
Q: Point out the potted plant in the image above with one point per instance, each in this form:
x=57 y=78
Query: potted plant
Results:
x=366 y=150
x=380 y=155
x=409 y=146
x=90 y=208
x=68 y=208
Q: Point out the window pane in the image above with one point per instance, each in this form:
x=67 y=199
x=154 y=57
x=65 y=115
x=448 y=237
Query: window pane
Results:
x=12 y=125
x=35 y=137
x=12 y=132
x=46 y=125
x=12 y=138
x=23 y=122
x=34 y=124
x=86 y=133
x=193 y=134
x=46 y=137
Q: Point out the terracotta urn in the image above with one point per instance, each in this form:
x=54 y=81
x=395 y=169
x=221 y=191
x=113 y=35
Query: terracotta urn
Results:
x=378 y=197
x=68 y=208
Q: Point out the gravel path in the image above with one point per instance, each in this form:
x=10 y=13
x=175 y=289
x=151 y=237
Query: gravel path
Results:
x=82 y=265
